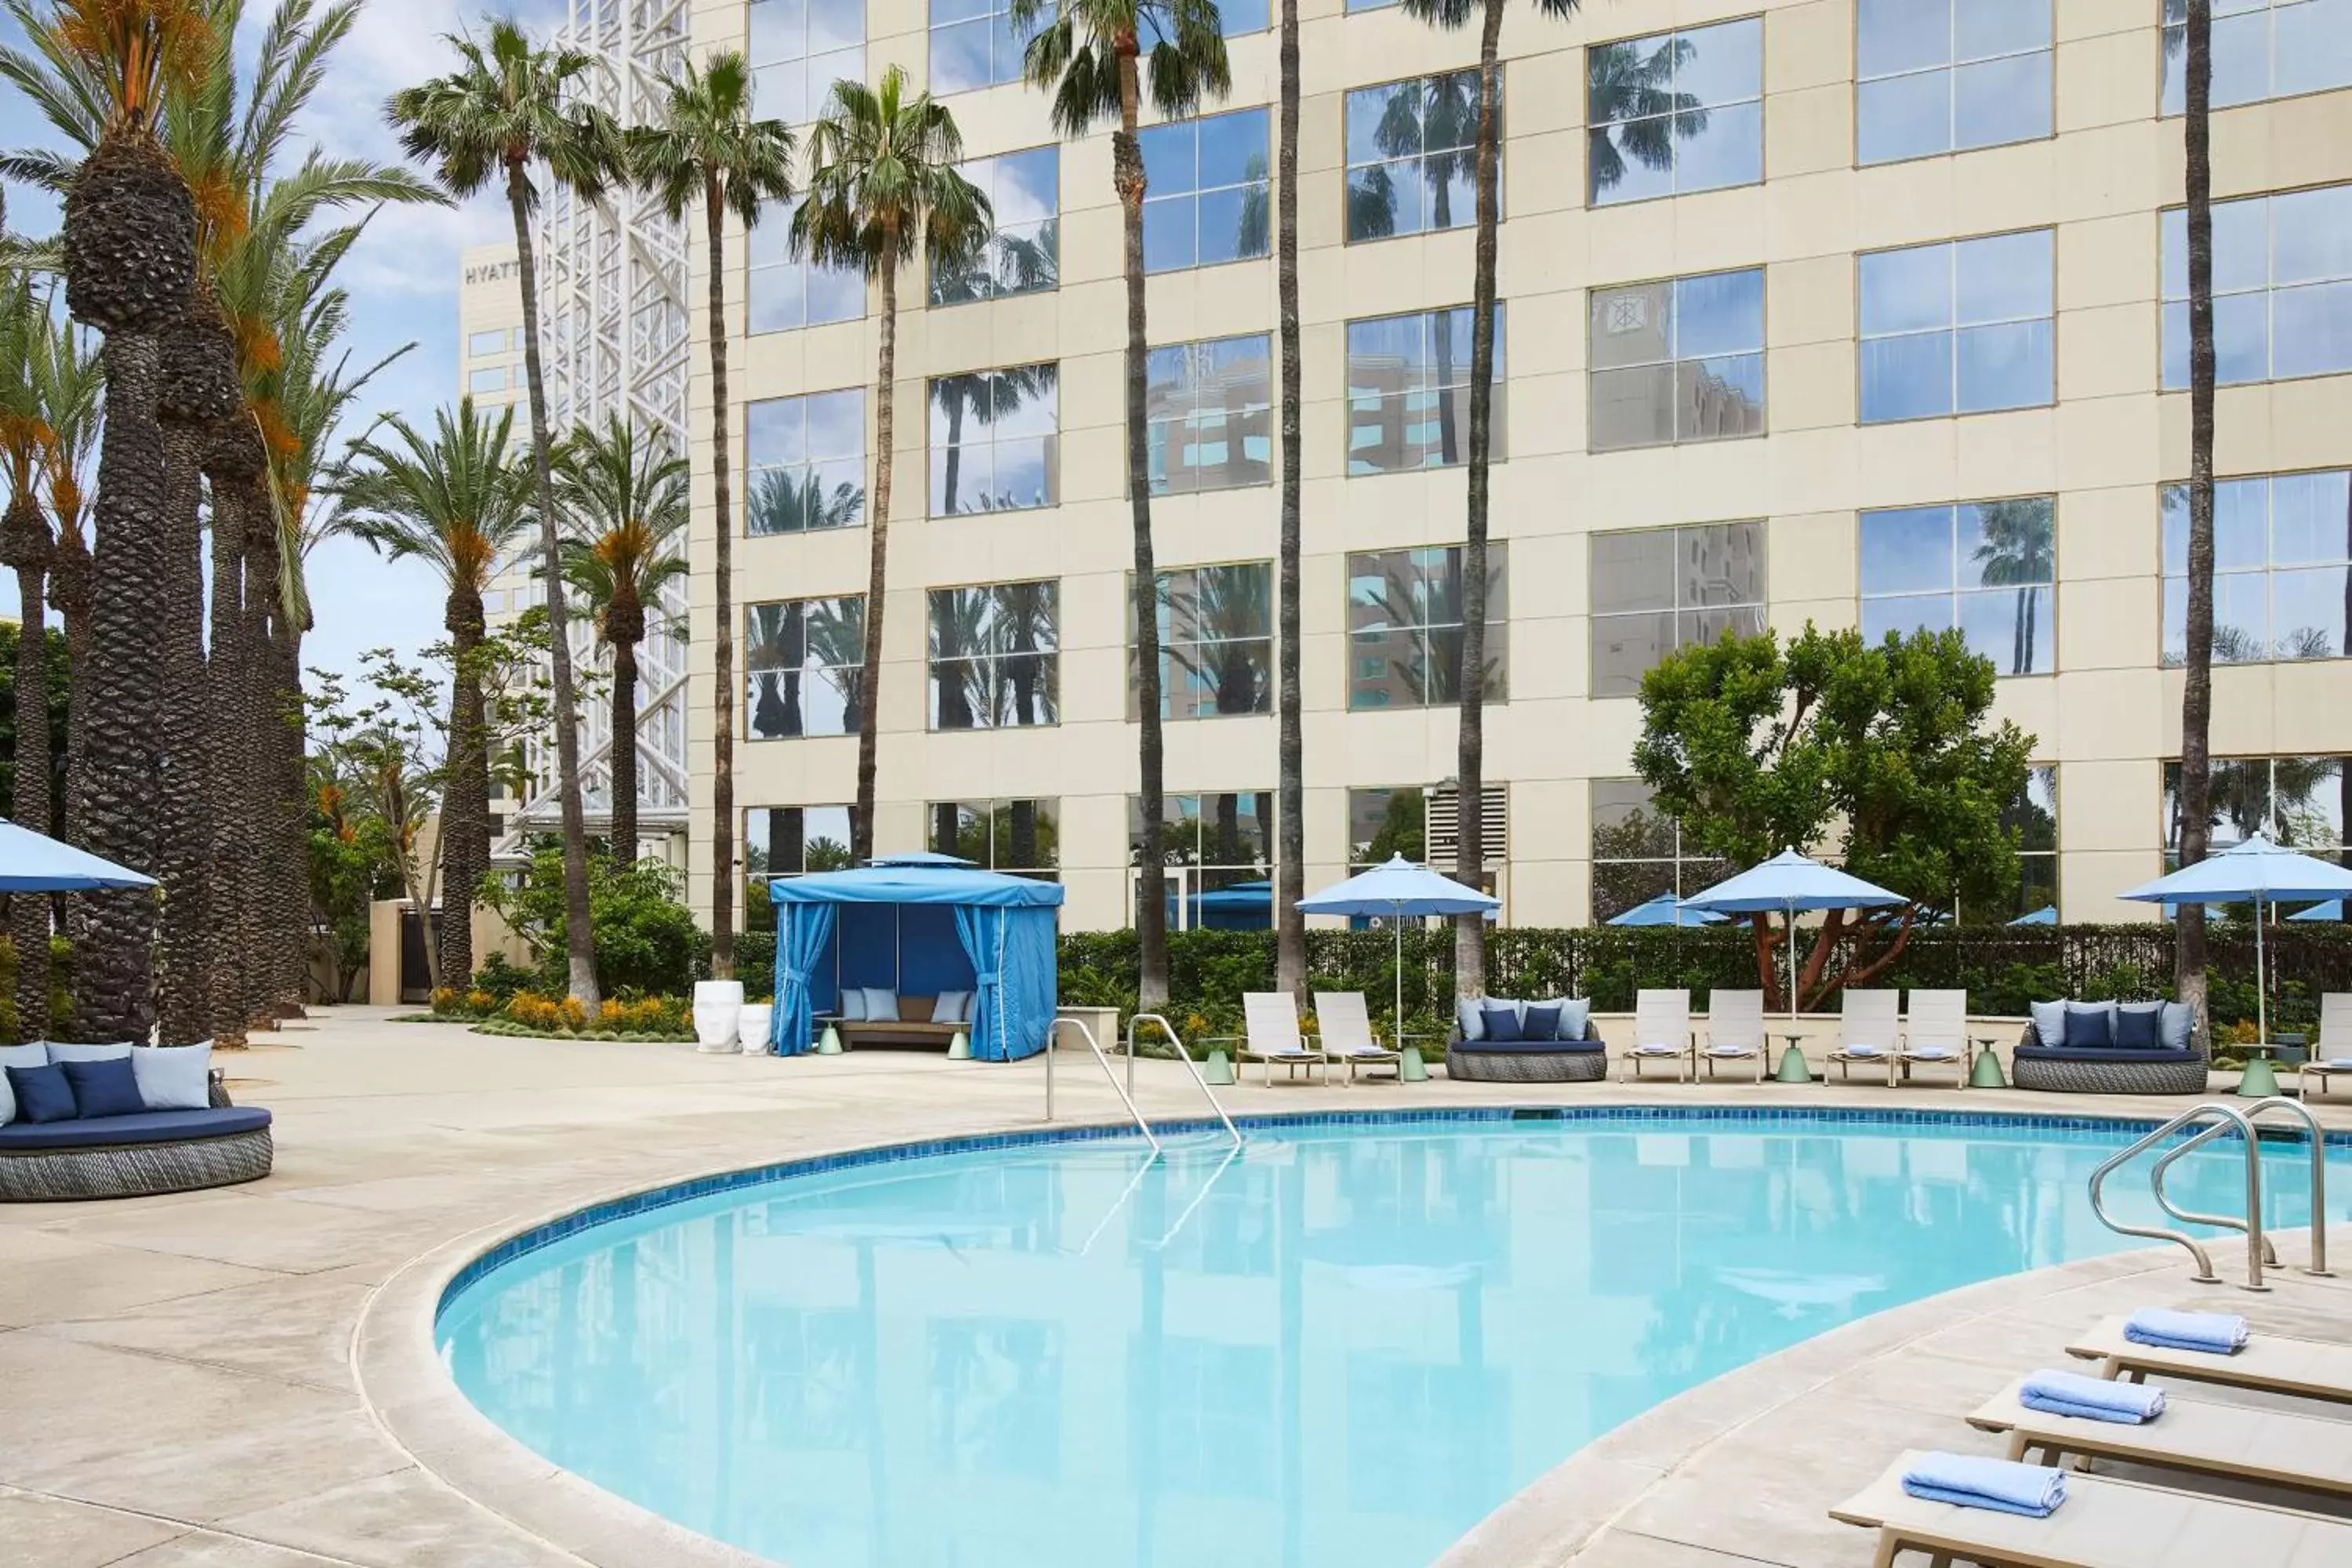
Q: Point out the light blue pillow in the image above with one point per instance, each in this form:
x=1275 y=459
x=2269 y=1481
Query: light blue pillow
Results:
x=1516 y=1004
x=952 y=1008
x=1466 y=1017
x=2175 y=1024
x=1575 y=1017
x=59 y=1052
x=881 y=1005
x=2050 y=1023
x=851 y=1007
x=173 y=1077
x=36 y=1055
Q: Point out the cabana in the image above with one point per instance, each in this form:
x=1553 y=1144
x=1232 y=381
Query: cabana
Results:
x=920 y=924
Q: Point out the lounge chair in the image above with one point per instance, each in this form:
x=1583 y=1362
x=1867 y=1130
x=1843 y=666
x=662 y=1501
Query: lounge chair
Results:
x=1735 y=1031
x=1937 y=1035
x=2331 y=1053
x=2312 y=1453
x=1662 y=1033
x=2310 y=1369
x=2104 y=1523
x=1346 y=1031
x=1271 y=1018
x=1866 y=1031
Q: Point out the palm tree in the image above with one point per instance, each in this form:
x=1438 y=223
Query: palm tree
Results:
x=2196 y=691
x=1088 y=54
x=1470 y=861
x=27 y=546
x=457 y=499
x=74 y=405
x=882 y=181
x=2019 y=549
x=706 y=147
x=1290 y=814
x=507 y=107
x=630 y=497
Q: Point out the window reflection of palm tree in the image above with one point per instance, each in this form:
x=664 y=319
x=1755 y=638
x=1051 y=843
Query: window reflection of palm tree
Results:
x=2019 y=549
x=1436 y=122
x=836 y=643
x=774 y=658
x=794 y=501
x=1025 y=616
x=983 y=397
x=1633 y=96
x=1229 y=615
x=1253 y=229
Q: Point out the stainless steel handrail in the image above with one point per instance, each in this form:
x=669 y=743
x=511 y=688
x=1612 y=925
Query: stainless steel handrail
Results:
x=1190 y=1065
x=2255 y=1113
x=2232 y=1115
x=1108 y=1071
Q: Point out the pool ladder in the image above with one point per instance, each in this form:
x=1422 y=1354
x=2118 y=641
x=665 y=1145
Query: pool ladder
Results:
x=1126 y=1090
x=2217 y=1118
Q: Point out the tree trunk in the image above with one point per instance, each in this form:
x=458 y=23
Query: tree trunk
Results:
x=289 y=886
x=886 y=426
x=229 y=761
x=466 y=797
x=624 y=769
x=1290 y=809
x=2197 y=694
x=25 y=536
x=1470 y=858
x=69 y=591
x=578 y=940
x=725 y=697
x=183 y=817
x=1150 y=900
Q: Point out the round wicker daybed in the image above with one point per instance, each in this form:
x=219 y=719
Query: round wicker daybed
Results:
x=135 y=1156
x=1531 y=1061
x=2103 y=1069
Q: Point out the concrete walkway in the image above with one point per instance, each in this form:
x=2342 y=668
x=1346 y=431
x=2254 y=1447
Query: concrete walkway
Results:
x=182 y=1382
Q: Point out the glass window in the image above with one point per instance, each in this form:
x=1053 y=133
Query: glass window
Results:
x=1409 y=392
x=1986 y=568
x=2296 y=801
x=2262 y=49
x=2282 y=569
x=1207 y=198
x=975 y=44
x=804 y=462
x=1209 y=408
x=1022 y=837
x=480 y=344
x=803 y=666
x=792 y=840
x=1962 y=327
x=1216 y=641
x=1944 y=76
x=782 y=294
x=1023 y=252
x=1226 y=844
x=1638 y=852
x=1353 y=6
x=1404 y=626
x=1412 y=157
x=992 y=439
x=1676 y=113
x=2282 y=288
x=2034 y=815
x=1383 y=823
x=485 y=381
x=798 y=49
x=994 y=658
x=1681 y=360
x=1658 y=589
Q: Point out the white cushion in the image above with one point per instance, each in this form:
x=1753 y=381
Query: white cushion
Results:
x=61 y=1052
x=33 y=1055
x=952 y=1008
x=881 y=1005
x=173 y=1078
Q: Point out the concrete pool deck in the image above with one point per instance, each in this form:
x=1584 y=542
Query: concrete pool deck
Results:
x=188 y=1382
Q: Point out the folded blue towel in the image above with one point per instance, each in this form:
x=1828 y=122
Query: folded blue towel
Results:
x=2093 y=1398
x=2033 y=1490
x=2217 y=1334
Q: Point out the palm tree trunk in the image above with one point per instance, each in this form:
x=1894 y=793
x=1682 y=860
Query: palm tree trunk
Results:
x=886 y=426
x=28 y=913
x=1290 y=811
x=466 y=797
x=1151 y=905
x=624 y=777
x=184 y=824
x=69 y=591
x=2197 y=695
x=1470 y=858
x=578 y=940
x=725 y=698
x=289 y=886
x=229 y=761
x=953 y=472
x=257 y=925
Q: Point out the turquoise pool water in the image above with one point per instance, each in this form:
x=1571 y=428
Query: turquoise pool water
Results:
x=1344 y=1347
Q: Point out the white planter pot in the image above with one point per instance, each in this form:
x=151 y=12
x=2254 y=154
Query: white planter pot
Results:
x=718 y=1009
x=753 y=1027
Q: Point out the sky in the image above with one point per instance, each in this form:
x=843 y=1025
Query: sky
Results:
x=402 y=277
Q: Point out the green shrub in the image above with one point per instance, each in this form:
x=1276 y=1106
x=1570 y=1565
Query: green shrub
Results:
x=646 y=938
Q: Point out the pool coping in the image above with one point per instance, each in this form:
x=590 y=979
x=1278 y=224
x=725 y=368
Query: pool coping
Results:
x=407 y=1391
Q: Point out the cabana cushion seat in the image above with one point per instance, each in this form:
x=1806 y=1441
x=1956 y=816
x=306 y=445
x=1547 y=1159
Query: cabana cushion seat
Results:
x=914 y=1026
x=143 y=1127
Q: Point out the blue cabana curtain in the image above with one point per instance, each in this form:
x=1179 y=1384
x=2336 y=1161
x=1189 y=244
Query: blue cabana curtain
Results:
x=802 y=932
x=1012 y=950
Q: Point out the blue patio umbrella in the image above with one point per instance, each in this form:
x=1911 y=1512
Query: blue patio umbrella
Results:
x=2047 y=915
x=2257 y=870
x=1398 y=888
x=1791 y=883
x=33 y=862
x=1665 y=911
x=2333 y=910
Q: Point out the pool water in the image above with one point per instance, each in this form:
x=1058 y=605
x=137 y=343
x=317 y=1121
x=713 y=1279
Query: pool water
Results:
x=1344 y=1347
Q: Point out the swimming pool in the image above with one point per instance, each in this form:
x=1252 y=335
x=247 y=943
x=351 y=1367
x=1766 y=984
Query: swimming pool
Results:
x=1345 y=1346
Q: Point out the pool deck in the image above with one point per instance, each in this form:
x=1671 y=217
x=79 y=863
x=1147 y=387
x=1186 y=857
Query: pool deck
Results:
x=237 y=1378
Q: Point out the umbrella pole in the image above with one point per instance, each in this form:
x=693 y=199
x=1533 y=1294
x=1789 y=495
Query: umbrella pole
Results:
x=1793 y=962
x=1397 y=925
x=2262 y=989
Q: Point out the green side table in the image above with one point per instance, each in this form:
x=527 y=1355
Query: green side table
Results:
x=2260 y=1080
x=1987 y=1073
x=1793 y=1069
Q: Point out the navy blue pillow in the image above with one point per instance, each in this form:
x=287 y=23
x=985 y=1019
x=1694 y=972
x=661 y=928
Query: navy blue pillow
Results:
x=105 y=1088
x=2089 y=1028
x=1502 y=1023
x=1542 y=1022
x=2138 y=1027
x=43 y=1094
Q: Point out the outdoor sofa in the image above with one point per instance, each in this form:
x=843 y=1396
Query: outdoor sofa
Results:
x=894 y=1020
x=137 y=1153
x=2090 y=1061
x=1472 y=1055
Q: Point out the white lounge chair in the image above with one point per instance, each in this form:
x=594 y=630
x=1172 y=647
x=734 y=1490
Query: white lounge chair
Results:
x=2331 y=1052
x=1866 y=1031
x=1271 y=1020
x=1662 y=1033
x=1734 y=1030
x=1937 y=1033
x=1346 y=1030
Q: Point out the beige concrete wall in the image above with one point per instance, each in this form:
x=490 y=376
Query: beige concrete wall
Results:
x=2108 y=718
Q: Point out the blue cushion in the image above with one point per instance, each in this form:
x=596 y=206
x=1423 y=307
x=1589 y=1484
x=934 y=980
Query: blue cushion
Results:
x=108 y=1087
x=1575 y=1017
x=2175 y=1022
x=42 y=1094
x=59 y=1051
x=2138 y=1026
x=851 y=1007
x=173 y=1077
x=1541 y=1023
x=2049 y=1022
x=147 y=1127
x=1502 y=1021
x=1467 y=1017
x=2090 y=1026
x=35 y=1055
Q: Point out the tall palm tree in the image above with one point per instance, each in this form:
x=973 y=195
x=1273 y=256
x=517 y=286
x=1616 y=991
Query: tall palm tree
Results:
x=882 y=182
x=507 y=107
x=457 y=499
x=628 y=502
x=707 y=148
x=1290 y=744
x=1089 y=54
x=2196 y=691
x=27 y=546
x=1470 y=767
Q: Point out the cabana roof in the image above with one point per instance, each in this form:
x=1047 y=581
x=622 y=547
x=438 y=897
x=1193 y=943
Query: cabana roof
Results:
x=898 y=883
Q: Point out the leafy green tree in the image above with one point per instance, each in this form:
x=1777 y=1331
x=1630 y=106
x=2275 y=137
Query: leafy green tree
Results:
x=1884 y=757
x=646 y=940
